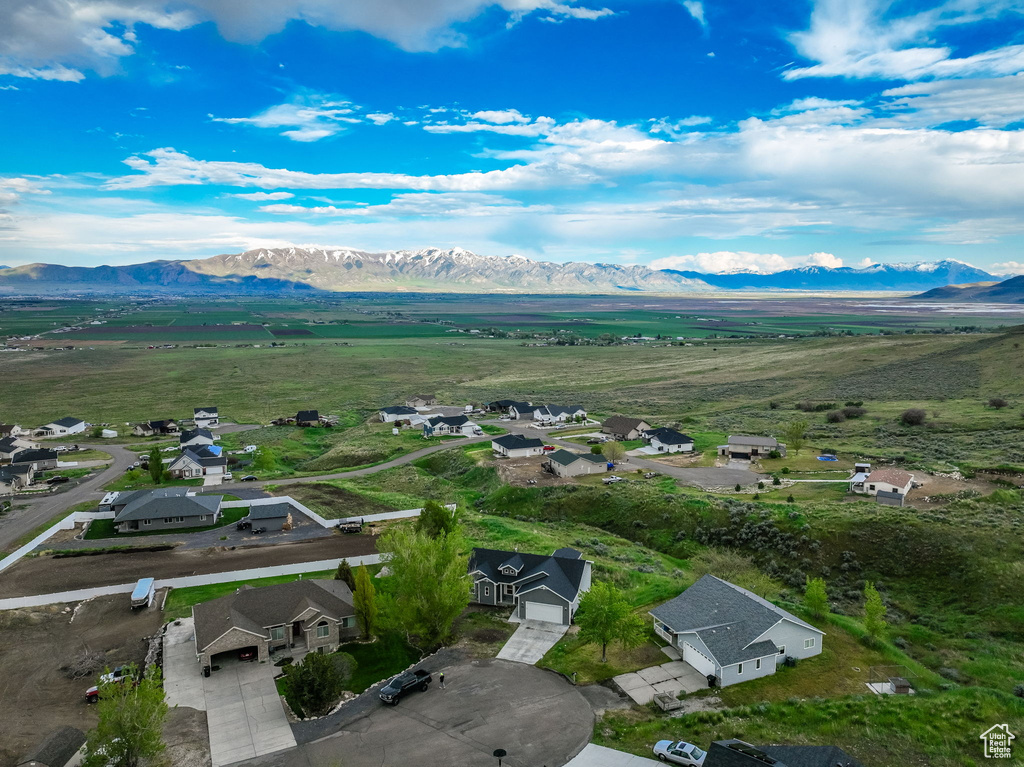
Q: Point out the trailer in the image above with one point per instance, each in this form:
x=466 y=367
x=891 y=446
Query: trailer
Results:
x=142 y=595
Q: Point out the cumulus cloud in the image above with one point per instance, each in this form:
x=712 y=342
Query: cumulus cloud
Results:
x=1007 y=268
x=696 y=9
x=263 y=196
x=724 y=261
x=308 y=117
x=60 y=39
x=992 y=102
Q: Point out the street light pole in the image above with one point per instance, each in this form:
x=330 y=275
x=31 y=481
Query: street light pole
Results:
x=499 y=753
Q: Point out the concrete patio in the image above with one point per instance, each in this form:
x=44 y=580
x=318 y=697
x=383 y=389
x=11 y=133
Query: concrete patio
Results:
x=672 y=677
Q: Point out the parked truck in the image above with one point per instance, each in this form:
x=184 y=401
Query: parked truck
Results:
x=403 y=683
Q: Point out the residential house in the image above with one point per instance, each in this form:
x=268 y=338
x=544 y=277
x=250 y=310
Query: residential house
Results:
x=623 y=428
x=62 y=427
x=12 y=430
x=199 y=461
x=737 y=753
x=271 y=516
x=666 y=440
x=307 y=418
x=730 y=633
x=522 y=411
x=16 y=477
x=743 y=447
x=502 y=405
x=169 y=512
x=304 y=615
x=61 y=748
x=195 y=438
x=440 y=425
x=542 y=588
x=397 y=413
x=118 y=500
x=150 y=428
x=10 y=446
x=517 y=446
x=421 y=400
x=42 y=459
x=889 y=486
x=563 y=463
x=551 y=414
x=205 y=417
x=857 y=479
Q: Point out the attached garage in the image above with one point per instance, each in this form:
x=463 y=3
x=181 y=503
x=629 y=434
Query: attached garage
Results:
x=537 y=611
x=697 y=659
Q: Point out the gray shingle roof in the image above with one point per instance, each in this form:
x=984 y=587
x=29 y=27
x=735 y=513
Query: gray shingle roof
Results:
x=517 y=442
x=564 y=457
x=256 y=609
x=198 y=410
x=270 y=511
x=669 y=436
x=556 y=410
x=740 y=439
x=448 y=420
x=563 y=575
x=308 y=415
x=191 y=434
x=727 y=619
x=202 y=456
x=32 y=456
x=399 y=410
x=67 y=422
x=56 y=749
x=621 y=424
x=173 y=506
x=124 y=498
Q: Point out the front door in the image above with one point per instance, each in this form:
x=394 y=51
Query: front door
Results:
x=298 y=635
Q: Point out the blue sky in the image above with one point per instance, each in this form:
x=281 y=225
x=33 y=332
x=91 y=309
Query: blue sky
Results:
x=705 y=135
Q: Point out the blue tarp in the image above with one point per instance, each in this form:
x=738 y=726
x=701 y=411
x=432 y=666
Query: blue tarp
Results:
x=215 y=449
x=827 y=458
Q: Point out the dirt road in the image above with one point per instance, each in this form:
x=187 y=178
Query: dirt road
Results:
x=46 y=575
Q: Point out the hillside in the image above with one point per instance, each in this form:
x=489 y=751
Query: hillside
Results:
x=1009 y=291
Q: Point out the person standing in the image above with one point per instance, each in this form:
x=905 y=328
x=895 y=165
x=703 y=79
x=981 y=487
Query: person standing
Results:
x=440 y=678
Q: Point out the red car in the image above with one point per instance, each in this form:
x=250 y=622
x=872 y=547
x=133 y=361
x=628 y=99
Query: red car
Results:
x=249 y=653
x=550 y=447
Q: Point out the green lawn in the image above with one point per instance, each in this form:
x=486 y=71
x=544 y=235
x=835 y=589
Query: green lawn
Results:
x=379 y=660
x=104 y=528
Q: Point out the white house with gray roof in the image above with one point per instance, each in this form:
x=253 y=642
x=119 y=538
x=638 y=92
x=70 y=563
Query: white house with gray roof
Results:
x=62 y=427
x=723 y=630
x=563 y=463
x=168 y=511
x=517 y=446
x=543 y=588
x=743 y=447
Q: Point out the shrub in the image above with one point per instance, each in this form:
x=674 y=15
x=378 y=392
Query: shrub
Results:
x=760 y=485
x=737 y=488
x=998 y=403
x=776 y=481
x=774 y=454
x=835 y=416
x=785 y=470
x=791 y=499
x=595 y=449
x=914 y=416
x=1018 y=690
x=853 y=411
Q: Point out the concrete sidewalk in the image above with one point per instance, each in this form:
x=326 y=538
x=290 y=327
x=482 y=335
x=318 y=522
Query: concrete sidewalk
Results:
x=599 y=756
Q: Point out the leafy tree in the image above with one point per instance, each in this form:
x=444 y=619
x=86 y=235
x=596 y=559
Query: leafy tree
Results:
x=264 y=459
x=344 y=573
x=315 y=683
x=365 y=602
x=435 y=520
x=816 y=597
x=998 y=403
x=96 y=431
x=874 y=612
x=131 y=718
x=156 y=465
x=429 y=585
x=794 y=434
x=613 y=451
x=914 y=416
x=605 y=616
x=595 y=449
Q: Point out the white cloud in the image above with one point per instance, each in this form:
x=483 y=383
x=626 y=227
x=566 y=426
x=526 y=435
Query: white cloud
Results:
x=380 y=118
x=538 y=127
x=501 y=116
x=308 y=117
x=264 y=196
x=1007 y=268
x=992 y=102
x=418 y=204
x=58 y=39
x=864 y=263
x=696 y=9
x=723 y=261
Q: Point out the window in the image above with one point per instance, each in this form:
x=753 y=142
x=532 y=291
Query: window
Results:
x=202 y=518
x=349 y=622
x=739 y=669
x=508 y=588
x=757 y=665
x=277 y=633
x=782 y=649
x=487 y=591
x=323 y=630
x=809 y=643
x=147 y=521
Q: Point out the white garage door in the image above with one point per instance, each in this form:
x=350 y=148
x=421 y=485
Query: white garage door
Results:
x=537 y=611
x=698 y=660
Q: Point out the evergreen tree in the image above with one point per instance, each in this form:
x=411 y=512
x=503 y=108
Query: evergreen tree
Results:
x=435 y=520
x=156 y=465
x=344 y=573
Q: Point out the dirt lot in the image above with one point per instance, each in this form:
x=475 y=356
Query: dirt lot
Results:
x=519 y=472
x=944 y=486
x=46 y=575
x=35 y=697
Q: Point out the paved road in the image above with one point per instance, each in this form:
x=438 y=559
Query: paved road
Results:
x=28 y=514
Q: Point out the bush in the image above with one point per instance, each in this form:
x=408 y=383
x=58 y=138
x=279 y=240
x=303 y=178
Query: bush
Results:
x=595 y=449
x=785 y=470
x=998 y=403
x=790 y=499
x=775 y=454
x=914 y=416
x=737 y=488
x=835 y=416
x=776 y=481
x=853 y=411
x=1018 y=690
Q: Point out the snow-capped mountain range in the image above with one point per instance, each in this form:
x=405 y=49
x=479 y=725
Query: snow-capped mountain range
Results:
x=457 y=270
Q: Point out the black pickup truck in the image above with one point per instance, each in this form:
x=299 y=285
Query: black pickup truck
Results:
x=403 y=683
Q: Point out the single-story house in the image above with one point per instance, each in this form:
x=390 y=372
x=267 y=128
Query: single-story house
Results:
x=42 y=459
x=541 y=588
x=272 y=516
x=58 y=749
x=149 y=428
x=314 y=615
x=563 y=463
x=745 y=447
x=12 y=430
x=201 y=461
x=737 y=753
x=397 y=413
x=893 y=484
x=519 y=411
x=307 y=418
x=517 y=446
x=205 y=417
x=623 y=428
x=450 y=424
x=559 y=413
x=117 y=500
x=666 y=440
x=195 y=438
x=16 y=477
x=10 y=446
x=169 y=512
x=502 y=405
x=726 y=631
x=421 y=400
x=62 y=427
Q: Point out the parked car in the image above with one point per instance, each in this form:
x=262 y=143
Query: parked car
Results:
x=549 y=448
x=58 y=480
x=612 y=480
x=243 y=524
x=403 y=683
x=119 y=674
x=350 y=526
x=650 y=475
x=247 y=653
x=249 y=478
x=679 y=752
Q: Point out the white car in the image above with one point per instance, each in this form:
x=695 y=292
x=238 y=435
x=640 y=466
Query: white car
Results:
x=612 y=480
x=679 y=752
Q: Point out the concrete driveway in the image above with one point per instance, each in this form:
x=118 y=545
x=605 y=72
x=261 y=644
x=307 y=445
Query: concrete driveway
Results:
x=599 y=756
x=536 y=716
x=672 y=677
x=531 y=641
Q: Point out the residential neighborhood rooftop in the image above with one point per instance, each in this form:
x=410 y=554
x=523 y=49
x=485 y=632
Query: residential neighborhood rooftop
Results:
x=161 y=507
x=560 y=572
x=896 y=477
x=565 y=457
x=517 y=441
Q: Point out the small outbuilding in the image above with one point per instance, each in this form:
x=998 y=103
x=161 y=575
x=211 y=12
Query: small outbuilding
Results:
x=421 y=400
x=272 y=517
x=307 y=418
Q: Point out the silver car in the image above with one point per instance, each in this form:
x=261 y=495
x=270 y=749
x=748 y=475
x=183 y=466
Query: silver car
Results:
x=679 y=752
